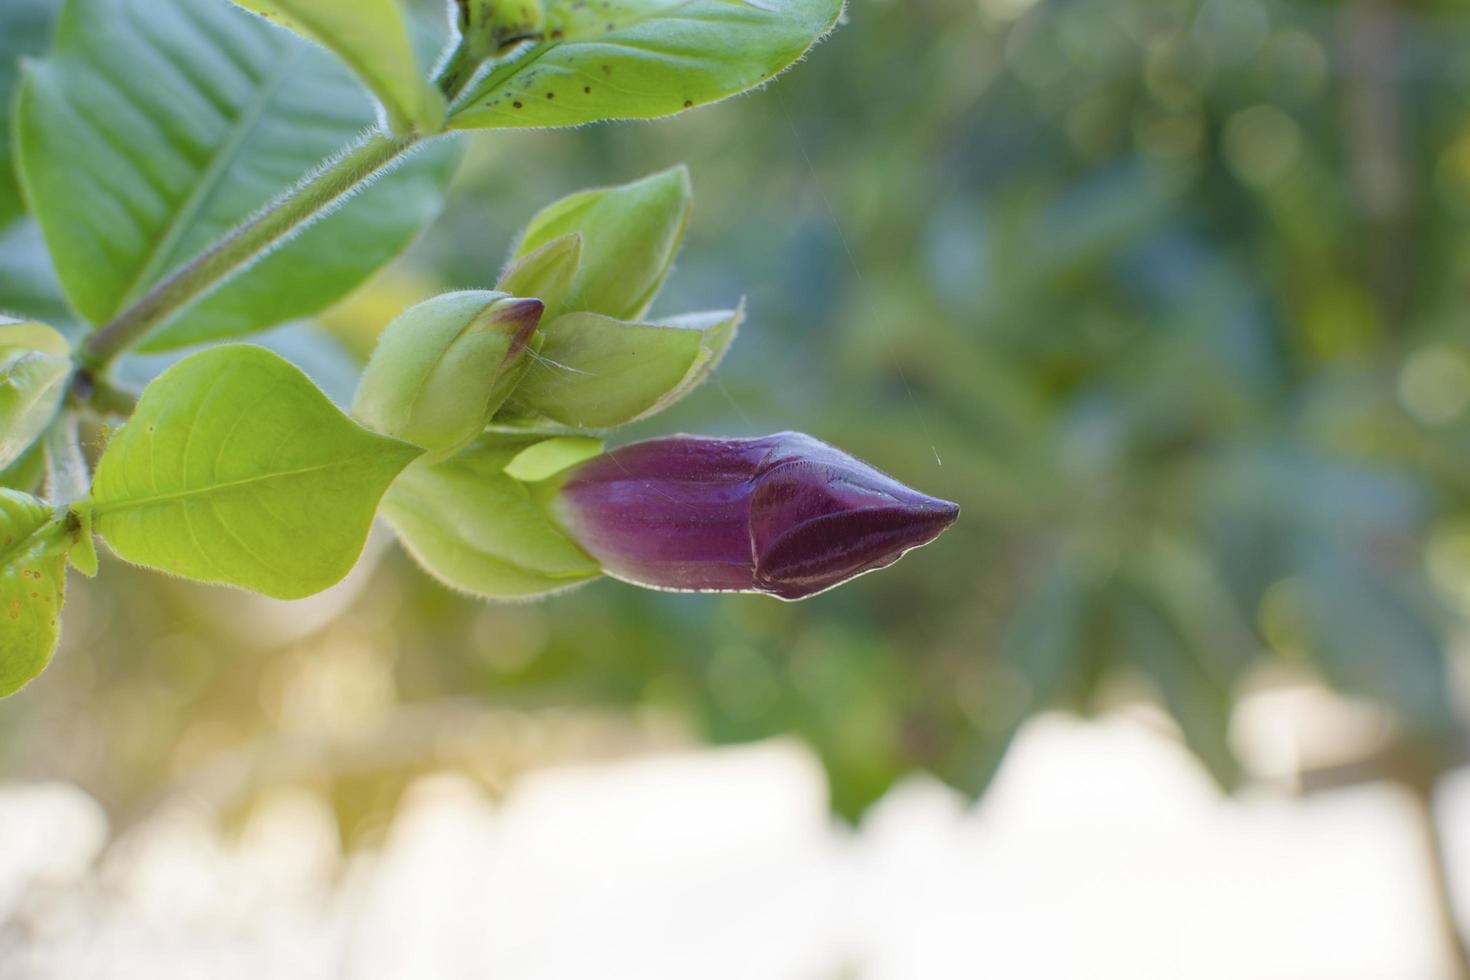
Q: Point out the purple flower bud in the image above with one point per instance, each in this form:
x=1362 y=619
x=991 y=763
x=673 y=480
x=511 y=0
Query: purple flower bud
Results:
x=785 y=514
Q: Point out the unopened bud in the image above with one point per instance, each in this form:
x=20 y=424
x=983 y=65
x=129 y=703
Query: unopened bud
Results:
x=442 y=368
x=548 y=273
x=785 y=515
x=629 y=236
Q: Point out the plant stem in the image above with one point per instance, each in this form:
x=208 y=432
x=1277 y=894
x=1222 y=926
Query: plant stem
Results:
x=248 y=242
x=68 y=477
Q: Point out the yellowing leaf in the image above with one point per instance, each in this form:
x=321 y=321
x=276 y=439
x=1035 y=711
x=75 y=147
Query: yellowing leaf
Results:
x=32 y=583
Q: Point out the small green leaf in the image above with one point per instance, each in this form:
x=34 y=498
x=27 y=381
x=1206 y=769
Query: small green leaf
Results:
x=442 y=368
x=83 y=551
x=639 y=59
x=548 y=273
x=595 y=372
x=372 y=37
x=630 y=235
x=236 y=469
x=551 y=456
x=32 y=586
x=153 y=127
x=35 y=364
x=480 y=531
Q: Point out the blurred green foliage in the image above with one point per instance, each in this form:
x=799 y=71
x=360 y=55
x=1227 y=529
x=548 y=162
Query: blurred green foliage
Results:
x=1168 y=294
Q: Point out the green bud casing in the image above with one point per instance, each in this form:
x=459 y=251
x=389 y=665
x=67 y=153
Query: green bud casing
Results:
x=595 y=372
x=629 y=235
x=443 y=368
x=479 y=530
x=548 y=273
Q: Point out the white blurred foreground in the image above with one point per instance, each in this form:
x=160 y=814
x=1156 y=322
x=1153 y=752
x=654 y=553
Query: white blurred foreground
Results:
x=1101 y=853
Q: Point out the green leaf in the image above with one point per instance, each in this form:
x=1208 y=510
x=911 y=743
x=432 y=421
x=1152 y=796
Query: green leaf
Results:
x=443 y=367
x=551 y=456
x=236 y=469
x=638 y=59
x=25 y=27
x=488 y=27
x=372 y=37
x=27 y=472
x=155 y=126
x=629 y=235
x=547 y=273
x=32 y=586
x=595 y=372
x=35 y=364
x=478 y=530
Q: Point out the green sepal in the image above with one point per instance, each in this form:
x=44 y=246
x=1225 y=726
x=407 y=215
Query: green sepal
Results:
x=551 y=456
x=35 y=364
x=443 y=368
x=547 y=273
x=594 y=372
x=236 y=469
x=478 y=530
x=32 y=587
x=630 y=235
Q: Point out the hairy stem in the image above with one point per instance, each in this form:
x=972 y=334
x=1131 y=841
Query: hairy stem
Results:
x=68 y=477
x=251 y=240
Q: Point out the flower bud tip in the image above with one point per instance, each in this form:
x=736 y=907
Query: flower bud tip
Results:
x=522 y=316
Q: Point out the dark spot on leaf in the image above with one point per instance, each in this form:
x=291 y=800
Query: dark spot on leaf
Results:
x=551 y=95
x=516 y=104
x=587 y=89
x=688 y=103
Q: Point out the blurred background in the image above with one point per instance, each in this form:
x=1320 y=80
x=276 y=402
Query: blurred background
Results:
x=1170 y=295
